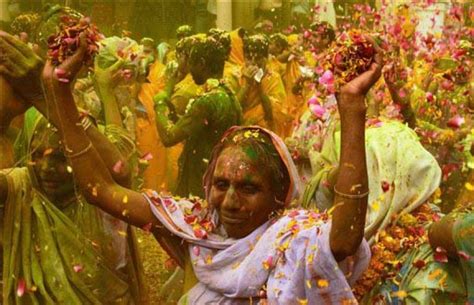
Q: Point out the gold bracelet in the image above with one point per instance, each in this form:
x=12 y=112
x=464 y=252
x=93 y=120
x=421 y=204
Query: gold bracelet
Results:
x=79 y=153
x=86 y=122
x=350 y=196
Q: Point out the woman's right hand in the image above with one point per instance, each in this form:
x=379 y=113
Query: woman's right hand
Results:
x=108 y=77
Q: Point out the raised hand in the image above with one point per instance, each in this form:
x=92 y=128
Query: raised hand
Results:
x=358 y=87
x=21 y=66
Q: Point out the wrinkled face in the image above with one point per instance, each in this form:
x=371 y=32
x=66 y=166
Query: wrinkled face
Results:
x=241 y=192
x=51 y=167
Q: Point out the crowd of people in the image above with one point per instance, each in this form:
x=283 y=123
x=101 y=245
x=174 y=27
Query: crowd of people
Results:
x=305 y=165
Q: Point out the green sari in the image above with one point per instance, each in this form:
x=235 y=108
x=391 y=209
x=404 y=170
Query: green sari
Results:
x=70 y=255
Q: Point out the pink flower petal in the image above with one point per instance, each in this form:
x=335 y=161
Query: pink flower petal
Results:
x=440 y=255
x=60 y=73
x=317 y=110
x=147 y=157
x=118 y=166
x=77 y=268
x=430 y=97
x=63 y=80
x=327 y=78
x=456 y=121
x=313 y=100
x=196 y=250
x=20 y=289
x=464 y=255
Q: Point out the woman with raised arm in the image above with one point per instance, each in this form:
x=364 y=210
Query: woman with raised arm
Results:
x=240 y=247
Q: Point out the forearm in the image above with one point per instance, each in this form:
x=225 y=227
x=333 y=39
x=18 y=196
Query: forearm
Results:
x=349 y=211
x=111 y=109
x=115 y=162
x=166 y=130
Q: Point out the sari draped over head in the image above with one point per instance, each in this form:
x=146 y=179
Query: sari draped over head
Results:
x=286 y=260
x=402 y=174
x=68 y=255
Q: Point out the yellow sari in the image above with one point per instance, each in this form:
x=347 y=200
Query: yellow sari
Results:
x=147 y=137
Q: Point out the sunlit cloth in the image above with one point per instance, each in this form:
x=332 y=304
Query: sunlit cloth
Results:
x=463 y=232
x=147 y=137
x=72 y=255
x=183 y=92
x=236 y=55
x=438 y=281
x=401 y=174
x=284 y=260
x=272 y=87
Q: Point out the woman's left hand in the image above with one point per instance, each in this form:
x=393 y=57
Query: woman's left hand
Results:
x=66 y=72
x=356 y=89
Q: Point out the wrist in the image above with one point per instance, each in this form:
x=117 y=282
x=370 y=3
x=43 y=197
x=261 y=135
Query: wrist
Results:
x=352 y=104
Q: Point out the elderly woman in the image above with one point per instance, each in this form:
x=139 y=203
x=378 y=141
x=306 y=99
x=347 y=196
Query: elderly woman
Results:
x=240 y=247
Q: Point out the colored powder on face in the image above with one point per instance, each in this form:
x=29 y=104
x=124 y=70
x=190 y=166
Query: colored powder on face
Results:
x=251 y=153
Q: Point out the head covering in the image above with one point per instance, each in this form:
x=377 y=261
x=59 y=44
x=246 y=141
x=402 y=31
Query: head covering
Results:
x=241 y=271
x=295 y=187
x=114 y=48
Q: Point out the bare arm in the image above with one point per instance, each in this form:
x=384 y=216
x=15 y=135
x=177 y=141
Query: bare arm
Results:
x=348 y=219
x=23 y=66
x=173 y=133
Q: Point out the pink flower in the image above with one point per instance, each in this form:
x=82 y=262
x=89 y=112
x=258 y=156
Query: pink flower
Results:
x=313 y=100
x=317 y=110
x=327 y=78
x=307 y=34
x=429 y=97
x=456 y=121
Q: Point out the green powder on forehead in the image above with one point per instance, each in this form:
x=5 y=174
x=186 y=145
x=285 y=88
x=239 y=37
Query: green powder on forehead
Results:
x=251 y=153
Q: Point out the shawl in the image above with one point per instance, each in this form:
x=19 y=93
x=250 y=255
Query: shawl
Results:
x=286 y=260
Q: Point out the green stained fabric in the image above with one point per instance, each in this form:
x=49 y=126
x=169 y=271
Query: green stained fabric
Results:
x=463 y=235
x=206 y=119
x=70 y=255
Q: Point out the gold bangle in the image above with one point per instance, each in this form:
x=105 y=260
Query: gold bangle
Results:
x=79 y=153
x=351 y=196
x=86 y=122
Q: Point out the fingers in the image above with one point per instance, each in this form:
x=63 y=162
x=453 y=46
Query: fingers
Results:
x=8 y=51
x=17 y=44
x=117 y=65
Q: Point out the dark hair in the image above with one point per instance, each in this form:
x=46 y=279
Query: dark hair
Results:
x=211 y=51
x=184 y=31
x=223 y=38
x=256 y=45
x=183 y=46
x=259 y=146
x=323 y=28
x=280 y=40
